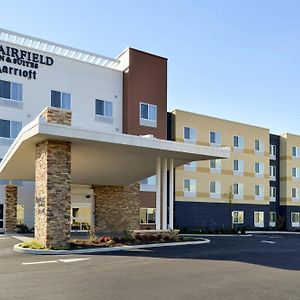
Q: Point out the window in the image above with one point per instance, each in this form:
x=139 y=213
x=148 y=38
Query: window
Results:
x=9 y=129
x=189 y=134
x=238 y=167
x=295 y=194
x=189 y=187
x=258 y=145
x=148 y=184
x=103 y=108
x=147 y=215
x=272 y=151
x=238 y=142
x=295 y=173
x=238 y=191
x=148 y=114
x=295 y=152
x=10 y=90
x=259 y=169
x=20 y=213
x=272 y=219
x=215 y=189
x=191 y=166
x=272 y=173
x=258 y=219
x=60 y=100
x=238 y=217
x=215 y=164
x=295 y=219
x=272 y=193
x=259 y=192
x=215 y=138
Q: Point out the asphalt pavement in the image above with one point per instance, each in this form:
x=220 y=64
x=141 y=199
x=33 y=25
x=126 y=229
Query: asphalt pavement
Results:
x=256 y=267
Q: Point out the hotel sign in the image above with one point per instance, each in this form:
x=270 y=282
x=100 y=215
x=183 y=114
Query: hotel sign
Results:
x=13 y=61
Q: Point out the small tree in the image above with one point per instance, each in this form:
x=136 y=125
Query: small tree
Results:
x=229 y=200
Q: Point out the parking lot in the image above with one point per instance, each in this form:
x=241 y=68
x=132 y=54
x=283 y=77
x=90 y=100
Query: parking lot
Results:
x=255 y=267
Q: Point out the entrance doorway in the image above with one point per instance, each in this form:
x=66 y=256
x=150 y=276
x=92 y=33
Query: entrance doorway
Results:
x=81 y=217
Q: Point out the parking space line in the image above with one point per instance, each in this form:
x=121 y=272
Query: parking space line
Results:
x=268 y=242
x=40 y=262
x=68 y=260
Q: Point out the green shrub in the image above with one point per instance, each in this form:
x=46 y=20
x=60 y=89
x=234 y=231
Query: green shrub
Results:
x=22 y=228
x=92 y=234
x=127 y=237
x=33 y=245
x=243 y=230
x=67 y=247
x=109 y=243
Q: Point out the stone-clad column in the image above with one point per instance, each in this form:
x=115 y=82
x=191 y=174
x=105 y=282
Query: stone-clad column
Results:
x=53 y=193
x=117 y=208
x=11 y=197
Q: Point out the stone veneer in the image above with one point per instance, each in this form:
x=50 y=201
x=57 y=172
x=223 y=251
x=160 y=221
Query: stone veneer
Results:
x=11 y=197
x=117 y=208
x=57 y=116
x=53 y=193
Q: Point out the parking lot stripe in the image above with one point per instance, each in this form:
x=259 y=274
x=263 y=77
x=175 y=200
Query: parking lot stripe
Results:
x=68 y=260
x=40 y=262
x=268 y=242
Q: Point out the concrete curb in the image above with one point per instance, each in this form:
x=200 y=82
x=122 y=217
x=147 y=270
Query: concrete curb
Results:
x=272 y=232
x=19 y=249
x=212 y=235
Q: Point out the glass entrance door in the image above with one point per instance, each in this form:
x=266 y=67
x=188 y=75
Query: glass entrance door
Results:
x=1 y=217
x=81 y=217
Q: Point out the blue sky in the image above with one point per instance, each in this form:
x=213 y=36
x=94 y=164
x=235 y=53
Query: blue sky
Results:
x=232 y=59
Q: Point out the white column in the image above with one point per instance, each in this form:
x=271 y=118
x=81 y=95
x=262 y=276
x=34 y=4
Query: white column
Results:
x=158 y=187
x=171 y=195
x=165 y=194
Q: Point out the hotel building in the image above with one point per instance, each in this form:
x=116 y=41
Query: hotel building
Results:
x=86 y=140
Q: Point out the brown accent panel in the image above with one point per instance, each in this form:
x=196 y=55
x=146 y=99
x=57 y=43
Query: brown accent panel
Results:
x=148 y=199
x=203 y=170
x=203 y=143
x=202 y=195
x=286 y=178
x=179 y=194
x=145 y=81
x=248 y=174
x=248 y=197
x=284 y=200
x=227 y=172
x=249 y=151
x=286 y=157
x=267 y=176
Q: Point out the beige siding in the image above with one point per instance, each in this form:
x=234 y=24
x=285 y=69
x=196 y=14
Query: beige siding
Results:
x=287 y=162
x=203 y=175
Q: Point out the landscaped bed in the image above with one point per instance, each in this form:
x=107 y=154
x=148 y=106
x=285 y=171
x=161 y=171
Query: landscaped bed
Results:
x=127 y=239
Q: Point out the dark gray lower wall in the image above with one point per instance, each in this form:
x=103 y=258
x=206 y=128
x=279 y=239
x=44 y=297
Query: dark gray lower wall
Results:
x=286 y=211
x=193 y=215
